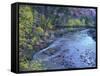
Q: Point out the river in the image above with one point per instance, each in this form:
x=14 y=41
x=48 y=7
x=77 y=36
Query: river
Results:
x=72 y=50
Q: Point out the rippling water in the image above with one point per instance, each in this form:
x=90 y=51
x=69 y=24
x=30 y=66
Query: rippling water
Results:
x=73 y=50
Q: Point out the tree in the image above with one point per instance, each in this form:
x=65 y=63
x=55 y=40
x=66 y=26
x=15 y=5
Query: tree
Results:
x=25 y=24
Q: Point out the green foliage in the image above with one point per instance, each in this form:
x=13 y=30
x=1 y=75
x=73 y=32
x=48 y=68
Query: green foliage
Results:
x=34 y=40
x=25 y=23
x=23 y=64
x=43 y=22
x=76 y=22
x=36 y=65
x=46 y=23
x=88 y=21
x=30 y=65
x=30 y=46
x=49 y=24
x=25 y=16
x=39 y=30
x=35 y=15
x=28 y=38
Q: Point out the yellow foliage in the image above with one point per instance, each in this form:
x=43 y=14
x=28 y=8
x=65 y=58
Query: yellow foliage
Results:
x=25 y=15
x=39 y=30
x=23 y=65
x=30 y=46
x=34 y=39
x=75 y=22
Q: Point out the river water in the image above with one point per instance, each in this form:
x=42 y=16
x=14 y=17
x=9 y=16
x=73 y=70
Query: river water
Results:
x=72 y=50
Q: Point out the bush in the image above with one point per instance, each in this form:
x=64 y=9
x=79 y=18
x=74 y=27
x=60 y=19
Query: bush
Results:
x=75 y=22
x=25 y=24
x=26 y=65
x=36 y=65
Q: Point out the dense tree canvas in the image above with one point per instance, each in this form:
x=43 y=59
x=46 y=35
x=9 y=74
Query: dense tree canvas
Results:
x=53 y=37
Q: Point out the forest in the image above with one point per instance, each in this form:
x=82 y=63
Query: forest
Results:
x=50 y=37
